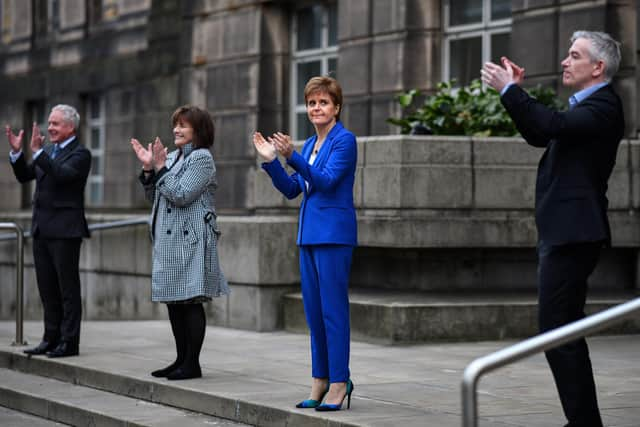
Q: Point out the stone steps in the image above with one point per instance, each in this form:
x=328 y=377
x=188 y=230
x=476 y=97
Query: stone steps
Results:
x=406 y=317
x=121 y=393
x=83 y=406
x=11 y=418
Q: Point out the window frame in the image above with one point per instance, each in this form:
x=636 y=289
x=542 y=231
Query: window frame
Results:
x=98 y=123
x=485 y=29
x=323 y=54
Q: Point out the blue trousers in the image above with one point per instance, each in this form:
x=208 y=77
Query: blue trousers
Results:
x=324 y=271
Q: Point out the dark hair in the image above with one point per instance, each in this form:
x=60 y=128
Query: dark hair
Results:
x=327 y=85
x=200 y=121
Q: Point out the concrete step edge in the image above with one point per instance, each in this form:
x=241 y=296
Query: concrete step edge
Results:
x=55 y=410
x=408 y=298
x=378 y=318
x=176 y=396
x=75 y=404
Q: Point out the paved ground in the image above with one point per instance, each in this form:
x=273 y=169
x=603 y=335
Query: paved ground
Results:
x=409 y=386
x=11 y=418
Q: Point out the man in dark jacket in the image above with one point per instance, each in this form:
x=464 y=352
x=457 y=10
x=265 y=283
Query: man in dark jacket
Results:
x=571 y=204
x=58 y=224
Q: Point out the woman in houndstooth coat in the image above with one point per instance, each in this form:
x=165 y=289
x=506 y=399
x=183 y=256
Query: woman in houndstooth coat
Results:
x=185 y=271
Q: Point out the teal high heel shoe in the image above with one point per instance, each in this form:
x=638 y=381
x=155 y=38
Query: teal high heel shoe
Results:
x=326 y=407
x=312 y=403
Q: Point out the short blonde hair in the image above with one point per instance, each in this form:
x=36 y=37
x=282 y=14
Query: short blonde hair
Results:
x=324 y=84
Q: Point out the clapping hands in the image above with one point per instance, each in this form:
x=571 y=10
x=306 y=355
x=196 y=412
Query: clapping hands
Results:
x=269 y=148
x=498 y=76
x=15 y=141
x=152 y=157
x=265 y=149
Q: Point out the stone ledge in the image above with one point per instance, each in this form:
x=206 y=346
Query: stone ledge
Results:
x=395 y=317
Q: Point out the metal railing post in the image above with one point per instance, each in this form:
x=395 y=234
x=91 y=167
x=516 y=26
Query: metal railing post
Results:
x=20 y=237
x=19 y=280
x=534 y=345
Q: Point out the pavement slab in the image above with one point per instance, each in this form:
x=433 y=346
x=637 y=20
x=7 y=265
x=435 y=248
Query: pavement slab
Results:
x=256 y=378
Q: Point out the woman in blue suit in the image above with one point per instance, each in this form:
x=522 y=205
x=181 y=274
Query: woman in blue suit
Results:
x=327 y=234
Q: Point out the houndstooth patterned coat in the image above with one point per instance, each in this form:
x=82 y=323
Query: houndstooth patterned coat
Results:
x=183 y=228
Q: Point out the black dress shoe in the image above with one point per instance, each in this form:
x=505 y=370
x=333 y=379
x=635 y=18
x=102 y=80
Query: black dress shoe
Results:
x=160 y=373
x=185 y=374
x=41 y=348
x=64 y=349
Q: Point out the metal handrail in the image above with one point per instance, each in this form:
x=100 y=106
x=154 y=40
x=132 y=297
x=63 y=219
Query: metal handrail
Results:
x=537 y=344
x=21 y=236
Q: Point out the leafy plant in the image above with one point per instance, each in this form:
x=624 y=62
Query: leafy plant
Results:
x=469 y=110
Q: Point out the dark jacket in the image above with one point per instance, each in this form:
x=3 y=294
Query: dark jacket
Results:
x=58 y=200
x=581 y=146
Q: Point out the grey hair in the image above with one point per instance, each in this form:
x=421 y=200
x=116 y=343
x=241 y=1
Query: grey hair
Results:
x=602 y=48
x=69 y=114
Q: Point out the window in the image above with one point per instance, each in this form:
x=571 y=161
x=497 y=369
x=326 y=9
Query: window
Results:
x=36 y=112
x=476 y=31
x=94 y=141
x=314 y=53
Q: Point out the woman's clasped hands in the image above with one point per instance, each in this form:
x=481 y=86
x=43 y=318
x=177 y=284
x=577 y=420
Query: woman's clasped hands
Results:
x=268 y=148
x=152 y=157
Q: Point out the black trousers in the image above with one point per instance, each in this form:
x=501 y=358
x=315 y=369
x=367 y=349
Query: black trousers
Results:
x=562 y=279
x=57 y=272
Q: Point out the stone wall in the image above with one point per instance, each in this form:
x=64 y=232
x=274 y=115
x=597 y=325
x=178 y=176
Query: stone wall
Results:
x=435 y=214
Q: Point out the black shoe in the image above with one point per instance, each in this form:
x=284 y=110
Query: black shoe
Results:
x=160 y=373
x=185 y=374
x=64 y=349
x=41 y=348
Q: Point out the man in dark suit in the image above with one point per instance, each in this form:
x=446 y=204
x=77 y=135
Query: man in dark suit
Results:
x=571 y=204
x=58 y=224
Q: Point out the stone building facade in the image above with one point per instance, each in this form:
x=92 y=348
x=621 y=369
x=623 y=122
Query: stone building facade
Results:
x=436 y=215
x=126 y=64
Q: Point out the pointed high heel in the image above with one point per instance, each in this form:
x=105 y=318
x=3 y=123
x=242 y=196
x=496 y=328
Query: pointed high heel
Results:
x=312 y=403
x=326 y=407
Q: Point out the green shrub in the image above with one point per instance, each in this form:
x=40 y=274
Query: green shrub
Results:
x=469 y=110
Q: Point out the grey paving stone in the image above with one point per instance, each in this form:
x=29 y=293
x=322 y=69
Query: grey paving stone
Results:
x=257 y=377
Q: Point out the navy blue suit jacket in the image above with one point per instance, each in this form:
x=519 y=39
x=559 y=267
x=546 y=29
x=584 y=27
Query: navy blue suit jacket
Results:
x=581 y=146
x=327 y=214
x=58 y=201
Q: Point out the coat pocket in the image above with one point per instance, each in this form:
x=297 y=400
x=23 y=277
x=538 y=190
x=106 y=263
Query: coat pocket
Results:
x=189 y=234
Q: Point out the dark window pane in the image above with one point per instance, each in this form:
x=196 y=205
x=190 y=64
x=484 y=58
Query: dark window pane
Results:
x=500 y=9
x=94 y=103
x=96 y=165
x=95 y=193
x=465 y=60
x=499 y=46
x=333 y=67
x=306 y=70
x=333 y=24
x=36 y=113
x=309 y=28
x=305 y=128
x=465 y=12
x=95 y=138
x=125 y=105
x=95 y=11
x=40 y=19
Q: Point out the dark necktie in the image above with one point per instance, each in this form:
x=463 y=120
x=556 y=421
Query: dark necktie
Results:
x=56 y=151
